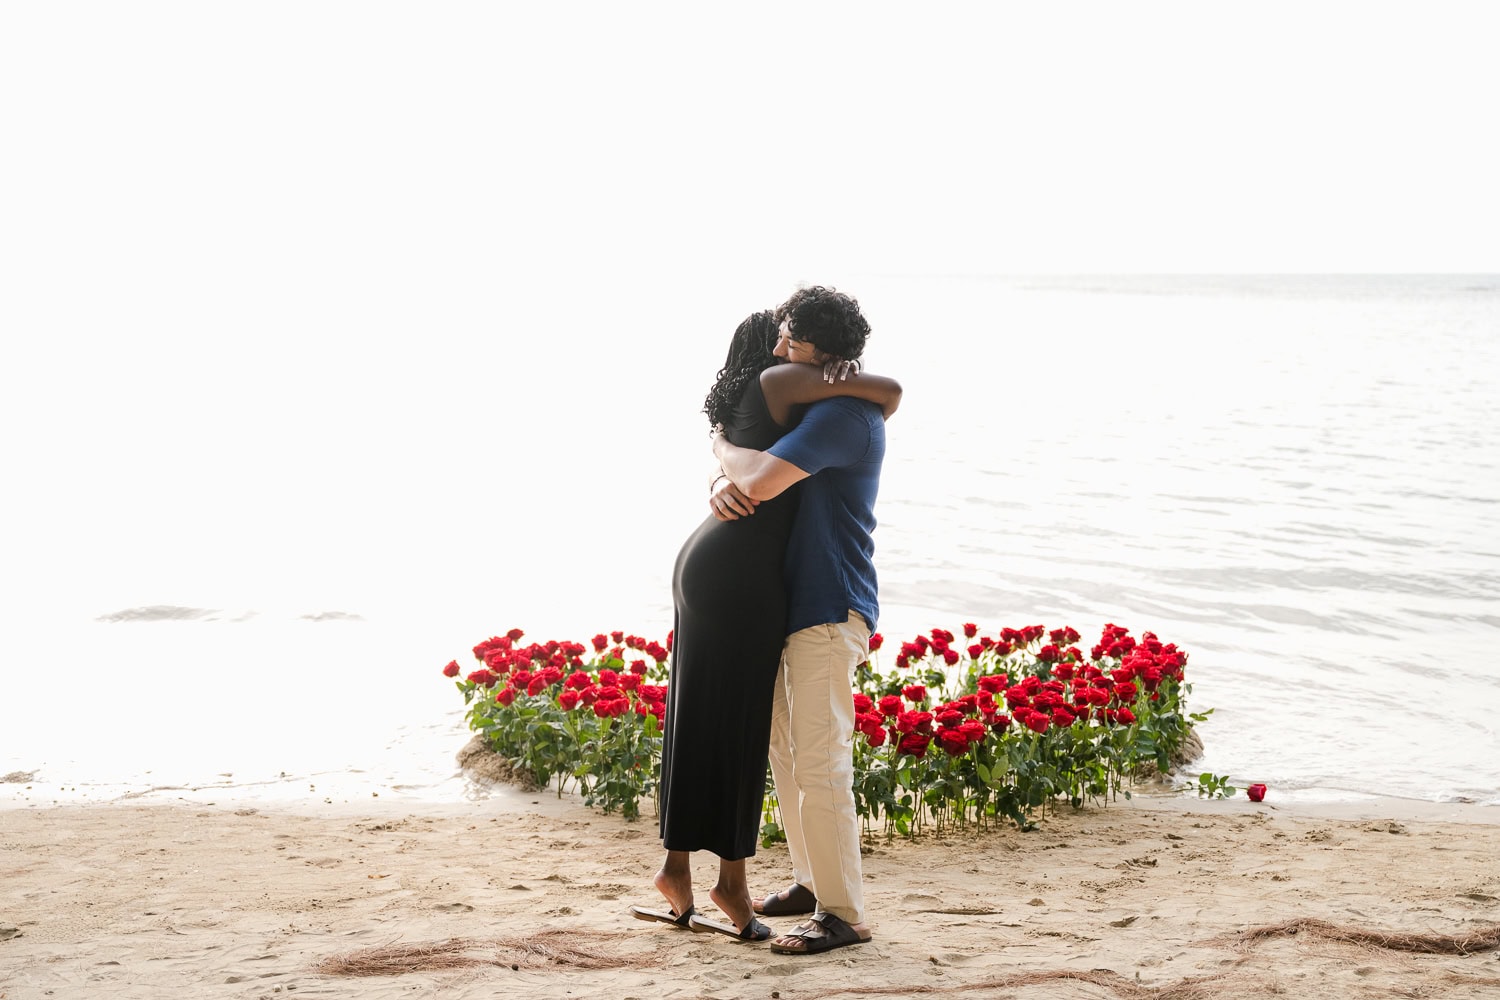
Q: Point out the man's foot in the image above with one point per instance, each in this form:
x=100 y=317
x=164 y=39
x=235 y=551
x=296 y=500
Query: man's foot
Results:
x=823 y=932
x=794 y=899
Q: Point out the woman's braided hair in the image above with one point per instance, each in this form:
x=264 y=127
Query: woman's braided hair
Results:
x=749 y=355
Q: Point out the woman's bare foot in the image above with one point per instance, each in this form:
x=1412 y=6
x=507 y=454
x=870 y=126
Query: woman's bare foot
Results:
x=736 y=905
x=677 y=890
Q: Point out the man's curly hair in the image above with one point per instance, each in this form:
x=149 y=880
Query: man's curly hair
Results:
x=826 y=318
x=749 y=355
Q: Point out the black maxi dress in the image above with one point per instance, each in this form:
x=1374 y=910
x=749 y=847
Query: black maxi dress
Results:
x=728 y=632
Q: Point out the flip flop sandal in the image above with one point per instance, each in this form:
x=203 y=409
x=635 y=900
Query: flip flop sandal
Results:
x=754 y=930
x=823 y=932
x=793 y=900
x=665 y=916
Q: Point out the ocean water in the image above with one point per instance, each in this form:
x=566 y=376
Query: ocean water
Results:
x=236 y=567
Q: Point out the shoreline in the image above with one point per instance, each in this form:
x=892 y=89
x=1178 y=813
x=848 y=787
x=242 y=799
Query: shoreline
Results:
x=467 y=790
x=1145 y=898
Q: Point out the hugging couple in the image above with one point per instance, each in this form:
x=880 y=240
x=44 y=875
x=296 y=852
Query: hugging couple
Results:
x=775 y=599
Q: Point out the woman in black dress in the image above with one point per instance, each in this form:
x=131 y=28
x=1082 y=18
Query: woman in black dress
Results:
x=728 y=633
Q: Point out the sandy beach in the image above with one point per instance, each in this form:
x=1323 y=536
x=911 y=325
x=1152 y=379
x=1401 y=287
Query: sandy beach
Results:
x=527 y=895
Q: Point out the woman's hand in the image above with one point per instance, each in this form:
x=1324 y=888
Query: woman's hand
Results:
x=839 y=370
x=727 y=503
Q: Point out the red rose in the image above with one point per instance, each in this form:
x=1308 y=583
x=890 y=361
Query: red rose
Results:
x=568 y=700
x=953 y=742
x=669 y=639
x=1124 y=716
x=578 y=680
x=506 y=695
x=875 y=737
x=600 y=642
x=638 y=667
x=993 y=683
x=537 y=684
x=862 y=703
x=617 y=636
x=973 y=730
x=608 y=677
x=630 y=682
x=950 y=656
x=1062 y=717
x=975 y=650
x=1037 y=722
x=1000 y=723
x=914 y=744
x=891 y=704
x=949 y=718
x=652 y=692
x=1256 y=792
x=482 y=677
x=451 y=670
x=1048 y=654
x=915 y=693
x=657 y=651
x=970 y=630
x=514 y=635
x=876 y=640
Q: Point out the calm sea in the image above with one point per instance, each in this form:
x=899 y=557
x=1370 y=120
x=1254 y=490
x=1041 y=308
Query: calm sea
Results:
x=236 y=568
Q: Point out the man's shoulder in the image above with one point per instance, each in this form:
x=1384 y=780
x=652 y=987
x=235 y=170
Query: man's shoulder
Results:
x=846 y=406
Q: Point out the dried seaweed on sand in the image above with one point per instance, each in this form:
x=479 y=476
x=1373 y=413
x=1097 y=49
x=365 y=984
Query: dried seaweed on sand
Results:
x=572 y=948
x=1485 y=938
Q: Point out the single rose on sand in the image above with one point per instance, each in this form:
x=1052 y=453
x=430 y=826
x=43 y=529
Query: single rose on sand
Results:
x=1256 y=792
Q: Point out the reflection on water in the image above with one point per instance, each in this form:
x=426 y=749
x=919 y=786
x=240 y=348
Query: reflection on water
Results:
x=1293 y=479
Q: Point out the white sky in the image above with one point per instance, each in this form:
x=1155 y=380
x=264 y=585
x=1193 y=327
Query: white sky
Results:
x=392 y=140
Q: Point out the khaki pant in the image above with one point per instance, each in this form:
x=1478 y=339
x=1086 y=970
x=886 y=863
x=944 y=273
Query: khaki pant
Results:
x=812 y=761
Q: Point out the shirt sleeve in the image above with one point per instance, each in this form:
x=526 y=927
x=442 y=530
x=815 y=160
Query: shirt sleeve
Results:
x=834 y=434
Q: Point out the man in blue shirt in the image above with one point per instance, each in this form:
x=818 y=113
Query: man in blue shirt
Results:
x=836 y=453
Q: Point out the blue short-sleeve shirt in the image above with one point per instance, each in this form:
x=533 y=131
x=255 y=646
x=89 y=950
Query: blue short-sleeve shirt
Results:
x=830 y=557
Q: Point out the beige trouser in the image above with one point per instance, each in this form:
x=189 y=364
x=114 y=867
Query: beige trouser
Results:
x=812 y=761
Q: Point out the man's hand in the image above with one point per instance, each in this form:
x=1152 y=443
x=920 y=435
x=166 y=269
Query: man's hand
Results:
x=727 y=503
